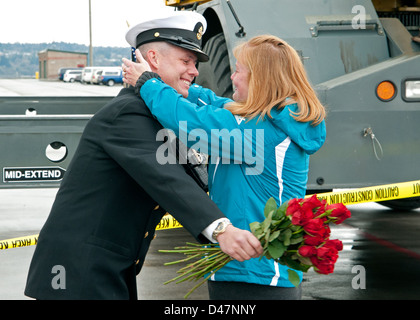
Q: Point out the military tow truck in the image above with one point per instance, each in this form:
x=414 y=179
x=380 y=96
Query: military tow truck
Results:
x=362 y=59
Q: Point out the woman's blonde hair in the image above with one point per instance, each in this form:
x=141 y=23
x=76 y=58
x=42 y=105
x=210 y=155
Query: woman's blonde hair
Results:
x=276 y=73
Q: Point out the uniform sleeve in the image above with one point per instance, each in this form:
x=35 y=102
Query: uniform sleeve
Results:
x=131 y=142
x=209 y=129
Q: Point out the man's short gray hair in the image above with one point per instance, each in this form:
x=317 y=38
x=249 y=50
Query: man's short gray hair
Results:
x=160 y=46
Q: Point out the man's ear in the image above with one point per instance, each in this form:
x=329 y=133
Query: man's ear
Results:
x=152 y=57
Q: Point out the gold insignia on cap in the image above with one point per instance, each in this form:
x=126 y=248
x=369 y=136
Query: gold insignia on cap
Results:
x=200 y=33
x=157 y=34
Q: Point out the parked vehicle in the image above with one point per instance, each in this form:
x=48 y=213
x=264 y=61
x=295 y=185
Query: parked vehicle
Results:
x=95 y=76
x=62 y=71
x=87 y=74
x=98 y=71
x=70 y=75
x=111 y=77
x=78 y=78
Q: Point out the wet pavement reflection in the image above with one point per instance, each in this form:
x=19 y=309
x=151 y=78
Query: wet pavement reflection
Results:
x=380 y=259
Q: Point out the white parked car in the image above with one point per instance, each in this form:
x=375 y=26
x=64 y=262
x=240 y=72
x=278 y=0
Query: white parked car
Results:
x=87 y=74
x=95 y=76
x=71 y=75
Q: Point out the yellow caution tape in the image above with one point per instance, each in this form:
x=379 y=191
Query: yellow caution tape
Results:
x=167 y=222
x=346 y=197
x=373 y=194
x=19 y=242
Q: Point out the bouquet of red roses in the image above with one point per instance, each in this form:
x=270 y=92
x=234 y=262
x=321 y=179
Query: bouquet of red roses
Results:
x=296 y=234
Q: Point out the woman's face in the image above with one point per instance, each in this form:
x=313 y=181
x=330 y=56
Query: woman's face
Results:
x=240 y=80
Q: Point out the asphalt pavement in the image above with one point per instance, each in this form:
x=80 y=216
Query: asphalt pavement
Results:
x=33 y=87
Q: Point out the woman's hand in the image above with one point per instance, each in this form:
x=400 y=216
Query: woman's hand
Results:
x=132 y=70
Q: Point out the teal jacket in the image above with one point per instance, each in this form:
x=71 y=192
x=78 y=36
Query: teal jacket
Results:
x=251 y=160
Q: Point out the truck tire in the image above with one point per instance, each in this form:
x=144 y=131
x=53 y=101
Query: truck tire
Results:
x=215 y=74
x=111 y=83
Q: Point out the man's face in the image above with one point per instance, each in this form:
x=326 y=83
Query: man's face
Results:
x=177 y=68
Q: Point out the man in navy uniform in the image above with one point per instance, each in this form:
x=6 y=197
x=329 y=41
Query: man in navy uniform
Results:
x=115 y=192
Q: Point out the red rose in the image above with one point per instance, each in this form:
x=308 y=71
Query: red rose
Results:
x=292 y=207
x=337 y=244
x=317 y=228
x=313 y=241
x=339 y=212
x=312 y=202
x=326 y=253
x=319 y=211
x=313 y=226
x=322 y=266
x=325 y=257
x=307 y=251
x=300 y=215
x=300 y=218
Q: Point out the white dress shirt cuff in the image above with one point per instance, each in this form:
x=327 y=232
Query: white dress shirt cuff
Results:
x=208 y=232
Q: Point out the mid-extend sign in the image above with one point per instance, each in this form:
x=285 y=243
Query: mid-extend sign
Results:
x=35 y=174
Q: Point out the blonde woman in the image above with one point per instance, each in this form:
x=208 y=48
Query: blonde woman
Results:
x=259 y=146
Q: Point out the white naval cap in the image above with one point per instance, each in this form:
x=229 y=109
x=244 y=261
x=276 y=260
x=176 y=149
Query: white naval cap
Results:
x=181 y=28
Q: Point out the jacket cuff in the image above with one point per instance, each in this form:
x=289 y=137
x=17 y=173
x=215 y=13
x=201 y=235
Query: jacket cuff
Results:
x=147 y=75
x=208 y=232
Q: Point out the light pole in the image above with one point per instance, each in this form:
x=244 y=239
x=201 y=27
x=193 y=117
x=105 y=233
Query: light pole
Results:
x=90 y=36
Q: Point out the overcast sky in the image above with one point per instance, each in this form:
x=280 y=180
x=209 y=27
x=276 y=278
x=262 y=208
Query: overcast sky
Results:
x=36 y=21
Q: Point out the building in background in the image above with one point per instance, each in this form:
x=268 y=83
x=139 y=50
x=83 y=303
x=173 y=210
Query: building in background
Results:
x=51 y=61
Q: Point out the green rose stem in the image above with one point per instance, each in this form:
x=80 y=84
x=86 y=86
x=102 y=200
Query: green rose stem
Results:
x=211 y=259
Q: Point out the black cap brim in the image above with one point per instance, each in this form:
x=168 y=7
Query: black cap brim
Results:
x=186 y=39
x=201 y=55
